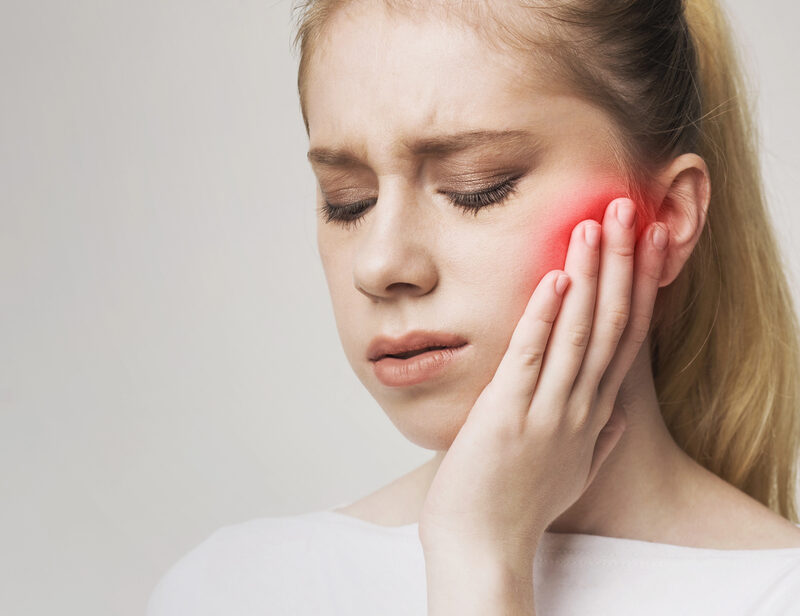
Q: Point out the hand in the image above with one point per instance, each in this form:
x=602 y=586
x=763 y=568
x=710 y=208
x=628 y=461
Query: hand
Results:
x=540 y=430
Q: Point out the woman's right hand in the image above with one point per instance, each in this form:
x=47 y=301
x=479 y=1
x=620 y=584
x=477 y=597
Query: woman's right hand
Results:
x=539 y=431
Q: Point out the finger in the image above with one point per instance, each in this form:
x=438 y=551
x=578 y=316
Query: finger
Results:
x=607 y=439
x=613 y=299
x=649 y=263
x=572 y=328
x=516 y=376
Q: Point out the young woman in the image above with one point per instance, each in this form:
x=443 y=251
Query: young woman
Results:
x=550 y=262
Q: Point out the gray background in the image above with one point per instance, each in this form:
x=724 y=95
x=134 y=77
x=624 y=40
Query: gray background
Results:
x=169 y=361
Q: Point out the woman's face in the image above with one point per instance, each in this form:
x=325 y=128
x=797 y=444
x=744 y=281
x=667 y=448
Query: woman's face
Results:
x=403 y=114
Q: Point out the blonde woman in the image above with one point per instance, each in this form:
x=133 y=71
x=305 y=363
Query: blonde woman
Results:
x=550 y=262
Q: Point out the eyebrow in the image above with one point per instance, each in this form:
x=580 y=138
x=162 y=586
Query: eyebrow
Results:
x=442 y=145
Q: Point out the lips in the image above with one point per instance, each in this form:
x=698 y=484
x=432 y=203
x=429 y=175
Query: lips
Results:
x=408 y=354
x=412 y=343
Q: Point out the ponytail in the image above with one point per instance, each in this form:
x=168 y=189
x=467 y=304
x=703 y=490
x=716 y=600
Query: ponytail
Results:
x=727 y=368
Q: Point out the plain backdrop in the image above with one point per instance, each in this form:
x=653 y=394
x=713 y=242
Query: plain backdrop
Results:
x=169 y=362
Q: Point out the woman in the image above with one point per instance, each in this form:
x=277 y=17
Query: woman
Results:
x=559 y=204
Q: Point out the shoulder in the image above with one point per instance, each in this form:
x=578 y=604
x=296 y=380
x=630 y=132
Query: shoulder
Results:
x=724 y=517
x=219 y=574
x=304 y=565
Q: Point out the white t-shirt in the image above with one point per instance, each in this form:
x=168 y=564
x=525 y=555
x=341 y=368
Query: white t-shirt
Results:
x=328 y=563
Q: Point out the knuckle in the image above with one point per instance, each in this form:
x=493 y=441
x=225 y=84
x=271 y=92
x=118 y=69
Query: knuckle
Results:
x=590 y=269
x=639 y=330
x=583 y=414
x=581 y=422
x=545 y=422
x=625 y=251
x=548 y=317
x=652 y=275
x=578 y=335
x=506 y=428
x=618 y=319
x=531 y=356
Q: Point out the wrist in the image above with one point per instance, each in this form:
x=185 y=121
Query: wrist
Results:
x=471 y=583
x=511 y=555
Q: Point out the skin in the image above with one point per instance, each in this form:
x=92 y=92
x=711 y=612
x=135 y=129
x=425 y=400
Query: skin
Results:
x=415 y=261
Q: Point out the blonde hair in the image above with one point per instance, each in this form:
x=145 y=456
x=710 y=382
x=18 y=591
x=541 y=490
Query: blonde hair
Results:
x=725 y=341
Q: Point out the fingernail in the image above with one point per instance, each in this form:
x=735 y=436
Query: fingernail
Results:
x=625 y=213
x=591 y=232
x=659 y=237
x=561 y=283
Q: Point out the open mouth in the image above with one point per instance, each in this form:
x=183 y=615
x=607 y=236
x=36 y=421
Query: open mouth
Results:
x=415 y=366
x=407 y=354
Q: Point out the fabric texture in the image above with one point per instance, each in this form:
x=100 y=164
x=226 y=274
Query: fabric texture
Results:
x=328 y=563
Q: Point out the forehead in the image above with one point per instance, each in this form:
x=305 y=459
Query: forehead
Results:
x=399 y=75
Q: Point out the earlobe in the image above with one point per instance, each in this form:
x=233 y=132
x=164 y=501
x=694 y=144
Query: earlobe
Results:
x=683 y=209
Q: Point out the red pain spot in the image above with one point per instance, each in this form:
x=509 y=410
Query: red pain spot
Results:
x=573 y=209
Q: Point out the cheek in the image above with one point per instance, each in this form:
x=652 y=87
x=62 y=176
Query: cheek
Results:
x=523 y=261
x=548 y=243
x=552 y=241
x=338 y=271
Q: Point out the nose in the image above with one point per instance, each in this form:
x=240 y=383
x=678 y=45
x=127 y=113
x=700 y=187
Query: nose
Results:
x=395 y=256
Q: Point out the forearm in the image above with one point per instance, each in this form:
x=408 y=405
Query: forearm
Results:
x=466 y=586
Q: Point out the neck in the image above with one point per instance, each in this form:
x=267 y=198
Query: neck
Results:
x=641 y=482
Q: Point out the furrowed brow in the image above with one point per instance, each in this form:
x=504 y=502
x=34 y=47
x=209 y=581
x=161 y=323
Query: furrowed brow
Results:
x=440 y=146
x=334 y=158
x=450 y=144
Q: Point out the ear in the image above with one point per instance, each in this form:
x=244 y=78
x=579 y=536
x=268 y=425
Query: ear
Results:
x=685 y=190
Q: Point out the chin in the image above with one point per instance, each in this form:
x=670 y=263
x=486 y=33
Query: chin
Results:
x=429 y=426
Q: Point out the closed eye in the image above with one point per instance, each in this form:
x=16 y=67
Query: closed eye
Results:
x=476 y=201
x=350 y=214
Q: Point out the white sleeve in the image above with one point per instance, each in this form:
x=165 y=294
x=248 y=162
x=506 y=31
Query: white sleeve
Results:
x=179 y=591
x=241 y=569
x=782 y=597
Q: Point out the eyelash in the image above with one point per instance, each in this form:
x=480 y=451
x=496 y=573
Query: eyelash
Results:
x=349 y=216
